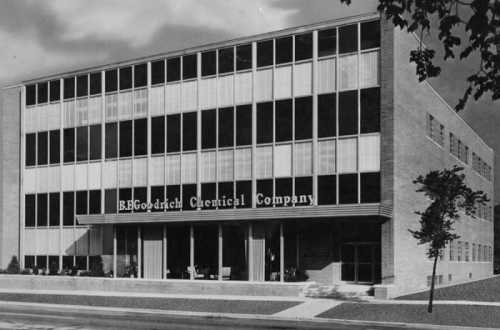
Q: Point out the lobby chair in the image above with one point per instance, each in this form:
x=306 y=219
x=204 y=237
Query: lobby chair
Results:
x=226 y=273
x=196 y=276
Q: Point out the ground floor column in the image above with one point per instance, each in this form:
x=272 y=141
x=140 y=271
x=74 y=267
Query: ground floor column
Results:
x=220 y=255
x=139 y=252
x=191 y=252
x=250 y=252
x=282 y=254
x=114 y=251
x=164 y=255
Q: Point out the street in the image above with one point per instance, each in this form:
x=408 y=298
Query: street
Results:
x=35 y=317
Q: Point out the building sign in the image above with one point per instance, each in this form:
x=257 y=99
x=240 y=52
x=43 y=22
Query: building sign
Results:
x=223 y=202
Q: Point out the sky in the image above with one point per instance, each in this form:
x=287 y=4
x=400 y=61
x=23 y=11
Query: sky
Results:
x=51 y=36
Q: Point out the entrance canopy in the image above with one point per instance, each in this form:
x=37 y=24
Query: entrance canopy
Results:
x=348 y=210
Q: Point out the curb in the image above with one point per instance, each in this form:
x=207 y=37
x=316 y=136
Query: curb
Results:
x=235 y=316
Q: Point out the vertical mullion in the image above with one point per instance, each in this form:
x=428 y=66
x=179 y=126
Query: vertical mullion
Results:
x=337 y=126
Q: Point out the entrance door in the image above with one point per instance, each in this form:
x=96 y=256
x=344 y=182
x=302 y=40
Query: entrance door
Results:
x=361 y=262
x=152 y=238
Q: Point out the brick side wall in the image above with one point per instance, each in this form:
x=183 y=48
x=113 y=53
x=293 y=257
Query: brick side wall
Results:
x=9 y=174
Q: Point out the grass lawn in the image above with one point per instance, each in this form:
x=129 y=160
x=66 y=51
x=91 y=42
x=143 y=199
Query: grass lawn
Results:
x=484 y=290
x=452 y=315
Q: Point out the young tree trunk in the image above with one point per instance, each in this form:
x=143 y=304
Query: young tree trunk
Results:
x=431 y=293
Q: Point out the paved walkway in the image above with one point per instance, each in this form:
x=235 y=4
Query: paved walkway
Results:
x=309 y=308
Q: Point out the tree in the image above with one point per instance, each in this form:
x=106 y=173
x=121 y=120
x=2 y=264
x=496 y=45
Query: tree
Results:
x=480 y=24
x=448 y=195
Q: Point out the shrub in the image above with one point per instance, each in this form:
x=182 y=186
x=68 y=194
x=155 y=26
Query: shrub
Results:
x=13 y=267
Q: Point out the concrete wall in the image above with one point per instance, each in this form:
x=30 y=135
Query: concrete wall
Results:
x=10 y=100
x=416 y=154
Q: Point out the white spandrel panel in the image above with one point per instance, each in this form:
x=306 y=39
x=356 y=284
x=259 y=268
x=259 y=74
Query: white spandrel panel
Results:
x=110 y=174
x=111 y=104
x=96 y=241
x=188 y=168
x=140 y=103
x=125 y=106
x=125 y=173
x=208 y=93
x=369 y=69
x=208 y=166
x=348 y=72
x=82 y=112
x=42 y=243
x=173 y=98
x=173 y=169
x=326 y=76
x=225 y=165
x=68 y=177
x=369 y=153
x=42 y=179
x=68 y=241
x=95 y=110
x=243 y=85
x=157 y=171
x=157 y=97
x=140 y=172
x=264 y=162
x=82 y=241
x=54 y=181
x=243 y=164
x=30 y=241
x=347 y=155
x=189 y=96
x=302 y=159
x=264 y=85
x=94 y=175
x=326 y=157
x=29 y=180
x=283 y=160
x=283 y=83
x=43 y=117
x=225 y=90
x=302 y=79
x=53 y=116
x=30 y=122
x=81 y=177
x=69 y=113
x=53 y=241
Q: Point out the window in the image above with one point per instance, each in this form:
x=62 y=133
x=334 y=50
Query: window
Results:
x=173 y=195
x=265 y=53
x=68 y=262
x=30 y=152
x=29 y=262
x=82 y=143
x=370 y=187
x=54 y=141
x=226 y=191
x=208 y=192
x=327 y=42
x=303 y=46
x=95 y=142
x=244 y=57
x=54 y=203
x=435 y=130
x=348 y=39
x=111 y=143
x=303 y=118
x=244 y=193
x=140 y=75
x=30 y=95
x=140 y=137
x=157 y=195
x=69 y=145
x=43 y=92
x=94 y=202
x=158 y=72
x=370 y=110
x=284 y=50
x=188 y=192
x=326 y=115
x=173 y=133
x=69 y=88
x=81 y=202
x=283 y=120
x=303 y=186
x=208 y=63
x=264 y=189
x=55 y=90
x=110 y=201
x=68 y=208
x=82 y=84
x=327 y=189
x=173 y=69
x=348 y=188
x=226 y=127
x=226 y=60
x=124 y=194
x=125 y=138
x=42 y=146
x=158 y=135
x=208 y=129
x=243 y=125
x=348 y=113
x=125 y=78
x=141 y=195
x=111 y=80
x=452 y=251
x=265 y=122
x=95 y=83
x=370 y=35
x=189 y=67
x=29 y=211
x=41 y=261
x=189 y=130
x=466 y=251
x=283 y=188
x=459 y=251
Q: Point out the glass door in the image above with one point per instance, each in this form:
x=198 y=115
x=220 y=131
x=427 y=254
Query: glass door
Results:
x=361 y=262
